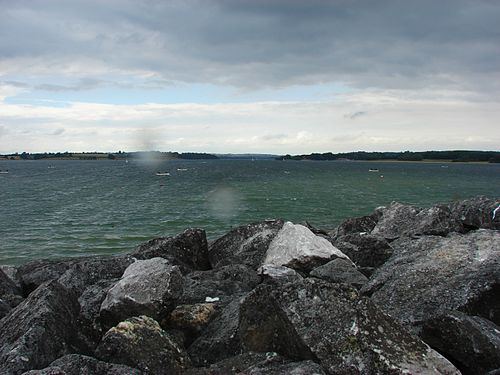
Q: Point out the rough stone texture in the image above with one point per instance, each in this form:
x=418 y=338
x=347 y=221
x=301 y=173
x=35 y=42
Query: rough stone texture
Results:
x=427 y=276
x=11 y=273
x=244 y=245
x=39 y=330
x=225 y=283
x=472 y=343
x=233 y=365
x=139 y=342
x=297 y=247
x=219 y=340
x=363 y=224
x=4 y=308
x=189 y=250
x=76 y=364
x=365 y=250
x=10 y=294
x=340 y=271
x=279 y=367
x=329 y=323
x=278 y=274
x=476 y=213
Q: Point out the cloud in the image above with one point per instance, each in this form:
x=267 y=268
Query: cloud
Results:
x=58 y=131
x=355 y=115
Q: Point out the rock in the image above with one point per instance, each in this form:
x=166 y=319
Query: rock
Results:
x=329 y=323
x=365 y=250
x=148 y=287
x=476 y=213
x=297 y=247
x=224 y=283
x=278 y=367
x=278 y=274
x=77 y=364
x=426 y=277
x=39 y=330
x=139 y=342
x=244 y=245
x=4 y=308
x=189 y=250
x=363 y=224
x=10 y=294
x=219 y=340
x=233 y=365
x=472 y=343
x=11 y=273
x=340 y=271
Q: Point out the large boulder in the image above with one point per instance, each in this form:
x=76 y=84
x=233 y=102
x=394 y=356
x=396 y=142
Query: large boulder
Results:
x=430 y=275
x=235 y=365
x=244 y=245
x=329 y=323
x=39 y=330
x=472 y=343
x=363 y=224
x=476 y=213
x=189 y=250
x=148 y=287
x=139 y=342
x=32 y=274
x=283 y=366
x=295 y=246
x=340 y=271
x=278 y=274
x=10 y=294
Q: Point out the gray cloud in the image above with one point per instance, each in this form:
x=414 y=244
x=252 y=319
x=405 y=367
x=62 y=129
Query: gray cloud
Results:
x=354 y=115
x=58 y=131
x=256 y=44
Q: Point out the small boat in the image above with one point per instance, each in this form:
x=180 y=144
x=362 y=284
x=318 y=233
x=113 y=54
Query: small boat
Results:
x=51 y=167
x=373 y=170
x=182 y=169
x=4 y=172
x=162 y=174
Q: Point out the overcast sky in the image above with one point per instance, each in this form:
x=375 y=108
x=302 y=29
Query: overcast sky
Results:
x=265 y=76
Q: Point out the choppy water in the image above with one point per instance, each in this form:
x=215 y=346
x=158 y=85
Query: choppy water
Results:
x=107 y=207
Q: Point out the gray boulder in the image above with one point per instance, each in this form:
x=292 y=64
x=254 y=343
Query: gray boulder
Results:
x=472 y=343
x=244 y=245
x=278 y=274
x=329 y=323
x=340 y=271
x=476 y=213
x=10 y=294
x=235 y=365
x=363 y=224
x=32 y=274
x=426 y=277
x=148 y=287
x=39 y=330
x=139 y=342
x=189 y=250
x=279 y=367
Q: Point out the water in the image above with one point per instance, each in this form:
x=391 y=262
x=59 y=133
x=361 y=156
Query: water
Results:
x=109 y=207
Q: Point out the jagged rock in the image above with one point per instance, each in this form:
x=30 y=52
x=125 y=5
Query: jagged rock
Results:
x=472 y=343
x=233 y=365
x=340 y=271
x=11 y=273
x=39 y=330
x=428 y=276
x=219 y=340
x=10 y=294
x=139 y=342
x=278 y=274
x=77 y=364
x=4 y=308
x=363 y=224
x=329 y=323
x=224 y=283
x=476 y=213
x=297 y=247
x=365 y=250
x=148 y=287
x=244 y=245
x=279 y=367
x=189 y=250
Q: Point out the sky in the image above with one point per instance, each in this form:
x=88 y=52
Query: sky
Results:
x=241 y=76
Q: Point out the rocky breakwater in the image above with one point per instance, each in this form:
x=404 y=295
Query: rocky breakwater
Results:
x=404 y=290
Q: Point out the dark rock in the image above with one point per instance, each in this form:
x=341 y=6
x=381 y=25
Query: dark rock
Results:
x=10 y=294
x=340 y=271
x=244 y=245
x=219 y=340
x=330 y=324
x=39 y=330
x=494 y=372
x=148 y=287
x=365 y=250
x=426 y=277
x=224 y=283
x=363 y=224
x=11 y=273
x=139 y=342
x=188 y=250
x=279 y=367
x=232 y=365
x=4 y=308
x=76 y=364
x=316 y=231
x=472 y=343
x=278 y=274
x=476 y=213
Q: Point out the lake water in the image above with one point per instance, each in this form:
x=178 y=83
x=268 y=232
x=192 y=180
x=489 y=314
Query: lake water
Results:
x=70 y=208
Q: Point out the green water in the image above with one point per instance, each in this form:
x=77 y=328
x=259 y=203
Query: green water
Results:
x=108 y=207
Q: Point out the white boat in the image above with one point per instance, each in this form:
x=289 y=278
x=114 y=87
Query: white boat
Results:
x=182 y=169
x=4 y=172
x=373 y=170
x=162 y=174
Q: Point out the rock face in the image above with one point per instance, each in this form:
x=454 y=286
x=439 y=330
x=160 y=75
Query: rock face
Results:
x=472 y=343
x=363 y=224
x=278 y=274
x=10 y=294
x=35 y=273
x=297 y=247
x=244 y=245
x=340 y=271
x=329 y=323
x=148 y=287
x=139 y=342
x=427 y=276
x=39 y=330
x=476 y=213
x=189 y=250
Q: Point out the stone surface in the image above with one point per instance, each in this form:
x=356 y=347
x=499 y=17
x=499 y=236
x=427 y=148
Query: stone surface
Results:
x=39 y=330
x=189 y=250
x=476 y=213
x=148 y=287
x=340 y=271
x=139 y=342
x=329 y=323
x=246 y=244
x=76 y=364
x=472 y=343
x=363 y=224
x=426 y=277
x=279 y=367
x=297 y=247
x=365 y=250
x=232 y=365
x=278 y=274
x=10 y=293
